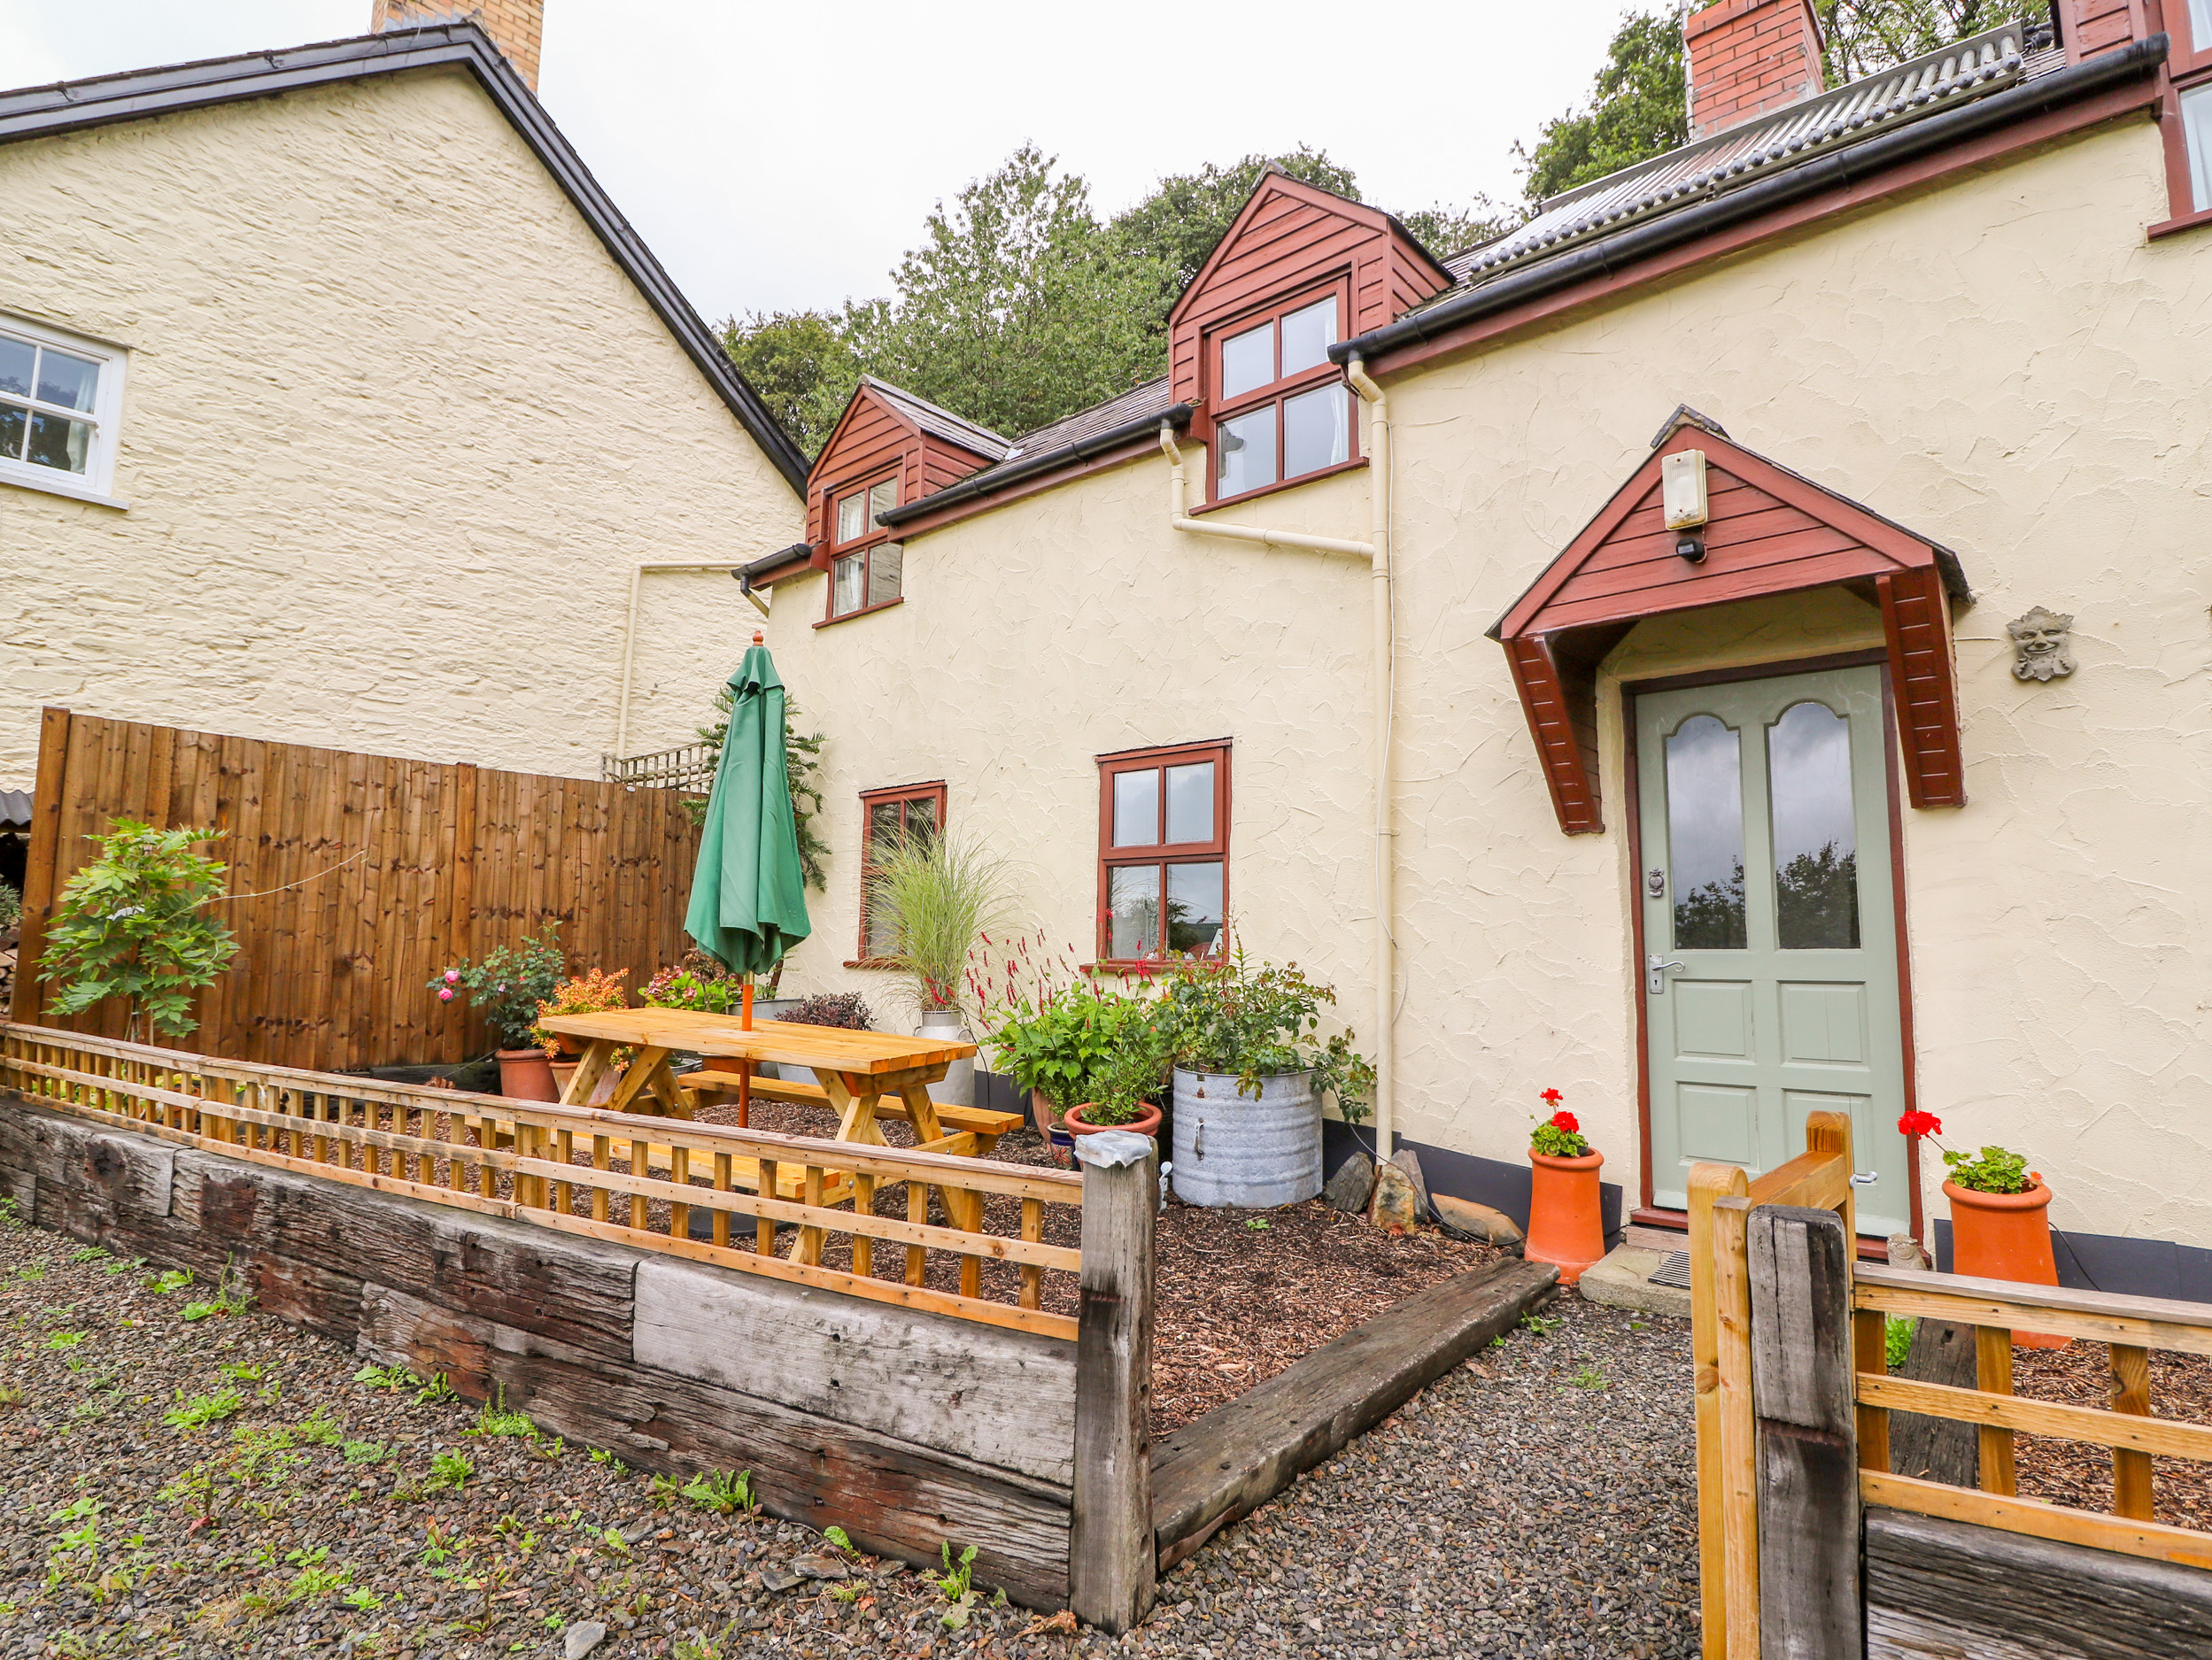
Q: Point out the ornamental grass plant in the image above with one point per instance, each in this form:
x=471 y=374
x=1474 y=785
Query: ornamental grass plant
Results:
x=936 y=896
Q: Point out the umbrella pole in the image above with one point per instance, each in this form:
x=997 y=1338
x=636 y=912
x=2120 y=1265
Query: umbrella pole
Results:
x=744 y=1075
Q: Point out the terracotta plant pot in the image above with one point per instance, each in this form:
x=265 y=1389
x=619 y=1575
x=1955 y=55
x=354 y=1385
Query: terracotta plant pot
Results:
x=1043 y=1114
x=1566 y=1224
x=1145 y=1124
x=526 y=1075
x=2005 y=1236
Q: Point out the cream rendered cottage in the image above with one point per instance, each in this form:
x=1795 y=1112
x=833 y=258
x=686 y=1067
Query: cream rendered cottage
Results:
x=1867 y=767
x=339 y=405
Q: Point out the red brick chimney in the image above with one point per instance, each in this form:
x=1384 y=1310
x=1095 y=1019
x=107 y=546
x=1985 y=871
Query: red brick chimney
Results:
x=1748 y=58
x=516 y=26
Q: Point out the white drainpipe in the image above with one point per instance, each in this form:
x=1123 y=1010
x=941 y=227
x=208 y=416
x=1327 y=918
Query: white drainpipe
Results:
x=1377 y=553
x=629 y=639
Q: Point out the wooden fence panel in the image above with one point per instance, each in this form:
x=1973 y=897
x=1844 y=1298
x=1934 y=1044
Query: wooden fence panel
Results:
x=355 y=878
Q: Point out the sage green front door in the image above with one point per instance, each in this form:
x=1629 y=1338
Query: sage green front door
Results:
x=1770 y=975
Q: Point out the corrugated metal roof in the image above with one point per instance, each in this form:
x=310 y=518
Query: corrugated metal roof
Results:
x=1973 y=68
x=1151 y=397
x=941 y=422
x=15 y=809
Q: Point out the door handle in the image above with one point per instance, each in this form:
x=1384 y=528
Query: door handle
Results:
x=1865 y=1178
x=1656 y=967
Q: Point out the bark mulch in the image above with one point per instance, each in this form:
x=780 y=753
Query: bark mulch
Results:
x=1241 y=1295
x=2079 y=1475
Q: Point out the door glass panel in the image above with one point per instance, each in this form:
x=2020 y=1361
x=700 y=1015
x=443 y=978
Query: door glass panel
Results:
x=1248 y=361
x=1194 y=907
x=1704 y=835
x=1132 y=900
x=1190 y=803
x=1137 y=809
x=1316 y=431
x=1248 y=452
x=1816 y=847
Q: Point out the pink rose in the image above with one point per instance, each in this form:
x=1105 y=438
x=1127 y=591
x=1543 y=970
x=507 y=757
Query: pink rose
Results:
x=453 y=977
x=445 y=996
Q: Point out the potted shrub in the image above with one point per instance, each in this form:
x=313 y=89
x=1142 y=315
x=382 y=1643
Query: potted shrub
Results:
x=935 y=896
x=586 y=994
x=1566 y=1224
x=1251 y=1070
x=1117 y=1098
x=509 y=985
x=1057 y=1041
x=2001 y=1225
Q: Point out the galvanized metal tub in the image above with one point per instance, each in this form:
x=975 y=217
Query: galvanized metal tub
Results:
x=1230 y=1149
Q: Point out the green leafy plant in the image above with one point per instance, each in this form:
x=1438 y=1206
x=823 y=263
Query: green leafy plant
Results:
x=1135 y=1072
x=450 y=1472
x=698 y=983
x=722 y=1492
x=387 y=1376
x=1589 y=1377
x=930 y=897
x=364 y=1598
x=365 y=1452
x=495 y=1419
x=1057 y=1036
x=318 y=1429
x=957 y=1582
x=1897 y=1338
x=1992 y=1170
x=133 y=924
x=172 y=1279
x=90 y=1254
x=202 y=1410
x=12 y=1217
x=508 y=984
x=64 y=1339
x=1559 y=1136
x=436 y=1390
x=1220 y=1013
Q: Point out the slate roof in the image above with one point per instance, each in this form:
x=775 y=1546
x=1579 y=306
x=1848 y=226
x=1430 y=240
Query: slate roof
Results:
x=1151 y=399
x=33 y=111
x=941 y=422
x=1990 y=62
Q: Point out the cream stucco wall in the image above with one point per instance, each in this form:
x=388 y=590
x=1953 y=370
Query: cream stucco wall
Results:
x=2002 y=364
x=396 y=428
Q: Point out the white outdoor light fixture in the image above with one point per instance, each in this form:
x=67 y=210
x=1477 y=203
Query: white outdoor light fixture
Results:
x=1683 y=499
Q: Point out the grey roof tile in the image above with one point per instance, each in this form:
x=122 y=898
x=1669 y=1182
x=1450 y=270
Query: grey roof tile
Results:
x=942 y=422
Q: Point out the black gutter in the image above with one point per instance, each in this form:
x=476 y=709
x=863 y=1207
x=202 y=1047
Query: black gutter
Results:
x=71 y=106
x=998 y=478
x=1606 y=255
x=782 y=559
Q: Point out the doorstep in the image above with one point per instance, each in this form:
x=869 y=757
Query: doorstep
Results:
x=1623 y=1280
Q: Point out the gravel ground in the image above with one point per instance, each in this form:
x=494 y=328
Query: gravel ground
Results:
x=1498 y=1515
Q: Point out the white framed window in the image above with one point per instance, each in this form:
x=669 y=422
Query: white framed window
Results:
x=60 y=397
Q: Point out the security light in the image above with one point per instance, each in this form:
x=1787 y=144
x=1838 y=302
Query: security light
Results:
x=1683 y=490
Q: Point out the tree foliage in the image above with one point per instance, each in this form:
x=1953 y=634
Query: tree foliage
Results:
x=801 y=365
x=1639 y=107
x=1864 y=37
x=1187 y=214
x=133 y=924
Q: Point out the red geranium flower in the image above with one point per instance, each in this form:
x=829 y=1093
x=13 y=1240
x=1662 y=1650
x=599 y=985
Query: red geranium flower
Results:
x=1551 y=1098
x=1566 y=1121
x=1920 y=1123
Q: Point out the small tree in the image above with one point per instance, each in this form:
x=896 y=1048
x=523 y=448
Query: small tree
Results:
x=132 y=924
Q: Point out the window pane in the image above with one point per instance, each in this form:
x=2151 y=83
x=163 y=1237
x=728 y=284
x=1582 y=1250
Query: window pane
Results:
x=2196 y=126
x=1137 y=809
x=1704 y=835
x=1248 y=361
x=844 y=579
x=1190 y=804
x=1248 y=452
x=1307 y=336
x=1194 y=907
x=921 y=818
x=15 y=367
x=2200 y=26
x=852 y=516
x=1817 y=844
x=882 y=827
x=57 y=443
x=14 y=424
x=1132 y=904
x=1316 y=431
x=883 y=562
x=880 y=940
x=882 y=496
x=69 y=381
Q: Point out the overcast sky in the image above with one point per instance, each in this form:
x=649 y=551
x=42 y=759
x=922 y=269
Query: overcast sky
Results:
x=779 y=157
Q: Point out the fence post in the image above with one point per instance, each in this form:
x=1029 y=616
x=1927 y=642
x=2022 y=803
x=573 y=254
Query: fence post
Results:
x=1112 y=1563
x=1811 y=1606
x=40 y=879
x=1707 y=1183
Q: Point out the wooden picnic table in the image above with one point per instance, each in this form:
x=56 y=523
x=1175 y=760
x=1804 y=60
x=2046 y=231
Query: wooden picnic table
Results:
x=862 y=1076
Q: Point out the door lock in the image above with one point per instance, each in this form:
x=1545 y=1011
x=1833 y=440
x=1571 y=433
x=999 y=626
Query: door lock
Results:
x=1656 y=967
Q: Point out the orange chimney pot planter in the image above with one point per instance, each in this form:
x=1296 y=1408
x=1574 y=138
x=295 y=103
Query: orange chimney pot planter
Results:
x=1567 y=1226
x=2005 y=1236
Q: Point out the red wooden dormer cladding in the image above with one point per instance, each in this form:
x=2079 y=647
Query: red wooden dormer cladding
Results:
x=1769 y=532
x=873 y=436
x=1292 y=236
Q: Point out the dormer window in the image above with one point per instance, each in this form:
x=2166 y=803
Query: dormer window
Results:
x=1281 y=410
x=864 y=569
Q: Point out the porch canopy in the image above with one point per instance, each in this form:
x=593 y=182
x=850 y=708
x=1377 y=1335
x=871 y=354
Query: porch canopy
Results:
x=1768 y=531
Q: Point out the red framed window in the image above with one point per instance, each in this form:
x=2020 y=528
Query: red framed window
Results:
x=886 y=817
x=865 y=565
x=1281 y=409
x=2187 y=120
x=1162 y=851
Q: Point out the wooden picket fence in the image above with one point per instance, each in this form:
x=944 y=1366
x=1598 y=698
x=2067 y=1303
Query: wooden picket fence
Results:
x=354 y=879
x=554 y=1166
x=1811 y=1547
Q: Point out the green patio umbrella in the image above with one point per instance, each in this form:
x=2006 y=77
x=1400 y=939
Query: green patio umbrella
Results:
x=748 y=895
